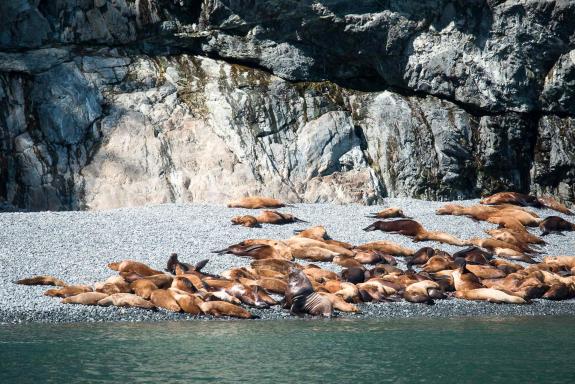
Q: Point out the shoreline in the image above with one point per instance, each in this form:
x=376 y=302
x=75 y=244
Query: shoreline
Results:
x=76 y=246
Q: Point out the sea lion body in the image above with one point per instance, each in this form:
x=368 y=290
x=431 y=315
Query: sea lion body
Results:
x=162 y=298
x=489 y=294
x=126 y=300
x=387 y=247
x=551 y=203
x=41 y=280
x=256 y=202
x=388 y=213
x=67 y=291
x=512 y=198
x=143 y=288
x=275 y=217
x=246 y=221
x=554 y=224
x=87 y=298
x=222 y=308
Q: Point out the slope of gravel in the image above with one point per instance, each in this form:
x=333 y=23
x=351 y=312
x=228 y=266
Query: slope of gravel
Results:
x=76 y=246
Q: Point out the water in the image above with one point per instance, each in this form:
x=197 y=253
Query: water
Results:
x=510 y=350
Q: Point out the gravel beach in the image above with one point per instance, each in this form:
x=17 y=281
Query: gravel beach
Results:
x=76 y=246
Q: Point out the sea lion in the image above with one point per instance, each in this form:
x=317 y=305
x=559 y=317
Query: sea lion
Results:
x=373 y=257
x=473 y=255
x=143 y=288
x=486 y=271
x=302 y=242
x=439 y=263
x=555 y=224
x=41 y=280
x=272 y=285
x=502 y=249
x=567 y=261
x=353 y=275
x=512 y=198
x=388 y=213
x=387 y=247
x=316 y=233
x=412 y=228
x=300 y=297
x=512 y=236
x=132 y=266
x=162 y=298
x=275 y=217
x=463 y=280
x=423 y=292
x=257 y=251
x=112 y=285
x=86 y=298
x=67 y=291
x=188 y=303
x=346 y=261
x=339 y=303
x=420 y=257
x=126 y=300
x=551 y=203
x=174 y=266
x=246 y=221
x=489 y=294
x=222 y=308
x=256 y=202
x=279 y=265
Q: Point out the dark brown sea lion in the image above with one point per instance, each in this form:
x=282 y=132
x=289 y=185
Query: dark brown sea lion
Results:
x=415 y=230
x=512 y=198
x=420 y=257
x=555 y=224
x=256 y=202
x=473 y=255
x=246 y=221
x=257 y=251
x=176 y=267
x=132 y=266
x=353 y=275
x=300 y=297
x=41 y=280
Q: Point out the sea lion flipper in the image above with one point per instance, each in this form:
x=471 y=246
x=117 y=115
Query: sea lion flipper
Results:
x=201 y=264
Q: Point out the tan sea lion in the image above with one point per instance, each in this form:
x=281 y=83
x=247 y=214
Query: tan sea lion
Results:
x=388 y=213
x=143 y=288
x=439 y=263
x=126 y=300
x=246 y=221
x=188 y=303
x=489 y=294
x=67 y=291
x=162 y=298
x=550 y=202
x=279 y=265
x=387 y=247
x=346 y=261
x=272 y=285
x=87 y=298
x=41 y=280
x=132 y=266
x=275 y=217
x=463 y=280
x=256 y=202
x=423 y=292
x=339 y=303
x=222 y=308
x=512 y=198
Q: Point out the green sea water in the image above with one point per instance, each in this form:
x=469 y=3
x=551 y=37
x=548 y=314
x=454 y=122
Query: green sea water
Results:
x=464 y=350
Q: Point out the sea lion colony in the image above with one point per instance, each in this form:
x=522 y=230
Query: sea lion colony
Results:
x=486 y=270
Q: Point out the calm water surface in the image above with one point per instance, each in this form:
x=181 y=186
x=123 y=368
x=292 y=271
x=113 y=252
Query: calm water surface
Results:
x=510 y=350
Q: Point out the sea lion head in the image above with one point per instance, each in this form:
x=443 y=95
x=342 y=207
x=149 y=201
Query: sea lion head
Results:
x=298 y=284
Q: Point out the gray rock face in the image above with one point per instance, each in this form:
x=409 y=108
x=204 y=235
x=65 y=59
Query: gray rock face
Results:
x=335 y=101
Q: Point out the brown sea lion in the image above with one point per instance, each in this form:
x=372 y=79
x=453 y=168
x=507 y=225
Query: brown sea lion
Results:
x=275 y=217
x=568 y=261
x=67 y=291
x=303 y=242
x=279 y=265
x=222 y=308
x=257 y=251
x=514 y=237
x=388 y=213
x=126 y=300
x=176 y=267
x=112 y=285
x=373 y=257
x=473 y=255
x=272 y=285
x=162 y=298
x=439 y=263
x=555 y=224
x=353 y=275
x=486 y=271
x=559 y=291
x=41 y=280
x=256 y=202
x=550 y=202
x=300 y=297
x=489 y=294
x=463 y=280
x=316 y=233
x=415 y=230
x=87 y=298
x=346 y=261
x=246 y=221
x=512 y=198
x=502 y=249
x=421 y=256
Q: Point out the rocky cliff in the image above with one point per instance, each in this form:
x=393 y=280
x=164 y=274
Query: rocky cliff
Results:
x=128 y=102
